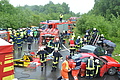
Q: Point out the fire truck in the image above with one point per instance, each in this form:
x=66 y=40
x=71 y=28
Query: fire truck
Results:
x=5 y=35
x=52 y=30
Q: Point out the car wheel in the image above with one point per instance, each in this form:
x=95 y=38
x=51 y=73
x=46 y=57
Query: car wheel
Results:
x=112 y=71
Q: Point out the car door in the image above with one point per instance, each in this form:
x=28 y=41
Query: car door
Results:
x=103 y=68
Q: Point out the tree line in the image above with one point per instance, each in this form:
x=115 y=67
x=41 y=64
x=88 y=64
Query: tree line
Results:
x=105 y=16
x=25 y=16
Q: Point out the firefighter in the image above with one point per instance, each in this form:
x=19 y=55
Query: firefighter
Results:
x=12 y=36
x=17 y=33
x=101 y=39
x=77 y=42
x=42 y=55
x=72 y=46
x=97 y=67
x=29 y=41
x=57 y=44
x=65 y=69
x=85 y=41
x=56 y=56
x=19 y=42
x=76 y=67
x=81 y=42
x=95 y=30
x=87 y=36
x=21 y=33
x=50 y=46
x=90 y=68
x=61 y=17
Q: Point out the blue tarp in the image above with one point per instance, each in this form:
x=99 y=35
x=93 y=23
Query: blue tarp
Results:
x=109 y=43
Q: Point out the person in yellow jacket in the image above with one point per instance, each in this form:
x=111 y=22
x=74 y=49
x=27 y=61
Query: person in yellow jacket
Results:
x=61 y=17
x=65 y=69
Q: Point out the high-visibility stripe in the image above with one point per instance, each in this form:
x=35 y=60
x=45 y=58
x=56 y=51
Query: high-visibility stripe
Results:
x=8 y=68
x=8 y=61
x=8 y=58
x=10 y=77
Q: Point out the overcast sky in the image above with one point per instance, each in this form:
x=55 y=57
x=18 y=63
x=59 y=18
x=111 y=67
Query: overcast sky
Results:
x=82 y=6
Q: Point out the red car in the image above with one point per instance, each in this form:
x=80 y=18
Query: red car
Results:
x=108 y=64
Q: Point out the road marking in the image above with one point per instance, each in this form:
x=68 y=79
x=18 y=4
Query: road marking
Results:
x=65 y=48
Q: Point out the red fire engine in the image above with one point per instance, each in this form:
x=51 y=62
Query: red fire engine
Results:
x=52 y=30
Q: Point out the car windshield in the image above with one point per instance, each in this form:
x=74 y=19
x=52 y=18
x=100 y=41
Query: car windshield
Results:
x=89 y=48
x=76 y=56
x=85 y=51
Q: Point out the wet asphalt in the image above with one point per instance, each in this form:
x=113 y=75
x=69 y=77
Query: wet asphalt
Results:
x=23 y=73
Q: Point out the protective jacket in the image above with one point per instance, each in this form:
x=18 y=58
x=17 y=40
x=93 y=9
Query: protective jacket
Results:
x=90 y=68
x=65 y=70
x=43 y=55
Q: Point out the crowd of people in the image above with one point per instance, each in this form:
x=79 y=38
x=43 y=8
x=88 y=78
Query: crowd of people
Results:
x=20 y=36
x=23 y=35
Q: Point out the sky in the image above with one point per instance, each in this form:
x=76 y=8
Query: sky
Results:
x=82 y=6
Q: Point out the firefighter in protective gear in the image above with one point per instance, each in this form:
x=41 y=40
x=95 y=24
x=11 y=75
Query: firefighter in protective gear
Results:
x=81 y=43
x=13 y=37
x=56 y=56
x=85 y=41
x=97 y=68
x=77 y=42
x=42 y=55
x=65 y=69
x=57 y=44
x=90 y=68
x=21 y=33
x=76 y=67
x=50 y=46
x=19 y=42
x=72 y=46
x=87 y=37
x=29 y=41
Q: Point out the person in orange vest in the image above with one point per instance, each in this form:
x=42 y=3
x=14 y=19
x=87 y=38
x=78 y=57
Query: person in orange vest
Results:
x=65 y=69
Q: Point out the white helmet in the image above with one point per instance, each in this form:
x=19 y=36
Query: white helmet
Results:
x=10 y=40
x=94 y=28
x=57 y=39
x=91 y=57
x=102 y=35
x=86 y=33
x=78 y=37
x=56 y=49
x=97 y=61
x=81 y=39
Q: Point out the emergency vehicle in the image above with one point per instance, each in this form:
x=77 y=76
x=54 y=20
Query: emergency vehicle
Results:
x=52 y=30
x=5 y=35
